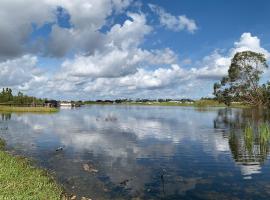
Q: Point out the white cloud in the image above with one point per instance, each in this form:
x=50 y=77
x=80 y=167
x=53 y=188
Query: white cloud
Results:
x=16 y=24
x=158 y=78
x=216 y=65
x=251 y=43
x=131 y=33
x=86 y=18
x=21 y=72
x=175 y=23
x=121 y=55
x=104 y=63
x=117 y=72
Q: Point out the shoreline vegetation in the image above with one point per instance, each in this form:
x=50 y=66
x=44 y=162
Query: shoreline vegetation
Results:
x=20 y=180
x=24 y=103
x=4 y=108
x=197 y=103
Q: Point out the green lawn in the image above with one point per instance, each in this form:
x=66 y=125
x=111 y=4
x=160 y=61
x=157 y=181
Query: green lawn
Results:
x=19 y=180
x=27 y=109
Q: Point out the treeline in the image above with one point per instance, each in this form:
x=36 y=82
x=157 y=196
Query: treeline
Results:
x=7 y=98
x=137 y=101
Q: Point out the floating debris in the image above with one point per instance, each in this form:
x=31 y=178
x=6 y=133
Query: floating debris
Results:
x=84 y=198
x=110 y=119
x=124 y=182
x=60 y=149
x=73 y=197
x=89 y=168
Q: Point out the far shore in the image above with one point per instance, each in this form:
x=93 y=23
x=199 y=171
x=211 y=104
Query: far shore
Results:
x=199 y=103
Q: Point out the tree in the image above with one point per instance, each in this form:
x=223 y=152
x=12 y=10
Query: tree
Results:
x=242 y=83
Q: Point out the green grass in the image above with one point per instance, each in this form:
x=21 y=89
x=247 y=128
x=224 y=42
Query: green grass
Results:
x=198 y=103
x=19 y=180
x=264 y=131
x=27 y=109
x=260 y=133
x=248 y=135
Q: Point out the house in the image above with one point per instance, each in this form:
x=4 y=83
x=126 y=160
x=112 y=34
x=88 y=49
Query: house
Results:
x=51 y=103
x=66 y=104
x=69 y=104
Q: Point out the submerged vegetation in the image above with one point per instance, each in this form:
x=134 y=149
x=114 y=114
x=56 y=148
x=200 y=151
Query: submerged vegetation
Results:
x=262 y=130
x=255 y=145
x=20 y=180
x=248 y=138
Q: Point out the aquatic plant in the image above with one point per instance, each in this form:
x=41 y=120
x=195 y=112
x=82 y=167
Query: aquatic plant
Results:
x=264 y=132
x=2 y=144
x=248 y=137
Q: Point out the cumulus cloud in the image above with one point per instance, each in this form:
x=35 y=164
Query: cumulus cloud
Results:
x=175 y=23
x=22 y=77
x=118 y=72
x=16 y=24
x=110 y=63
x=121 y=55
x=86 y=18
x=174 y=78
x=217 y=64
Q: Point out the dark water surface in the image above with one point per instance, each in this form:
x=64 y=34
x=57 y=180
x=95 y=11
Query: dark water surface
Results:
x=146 y=152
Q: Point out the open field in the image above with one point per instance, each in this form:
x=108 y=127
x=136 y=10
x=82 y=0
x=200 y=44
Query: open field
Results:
x=26 y=109
x=20 y=180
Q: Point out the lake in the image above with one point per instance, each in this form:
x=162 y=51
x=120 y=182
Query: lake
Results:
x=146 y=152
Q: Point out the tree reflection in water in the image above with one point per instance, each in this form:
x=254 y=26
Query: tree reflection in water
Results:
x=249 y=136
x=5 y=116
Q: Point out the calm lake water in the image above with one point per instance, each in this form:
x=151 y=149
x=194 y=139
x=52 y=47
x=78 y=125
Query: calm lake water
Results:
x=146 y=152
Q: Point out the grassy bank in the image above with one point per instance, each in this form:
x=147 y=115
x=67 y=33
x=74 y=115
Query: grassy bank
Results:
x=19 y=180
x=199 y=103
x=27 y=109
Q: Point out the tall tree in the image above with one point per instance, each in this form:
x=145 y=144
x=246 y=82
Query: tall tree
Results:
x=243 y=80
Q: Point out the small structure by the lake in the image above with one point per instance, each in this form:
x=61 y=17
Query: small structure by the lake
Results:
x=51 y=103
x=68 y=104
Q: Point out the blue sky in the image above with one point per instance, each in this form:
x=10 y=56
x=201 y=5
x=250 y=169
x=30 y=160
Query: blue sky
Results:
x=220 y=23
x=126 y=48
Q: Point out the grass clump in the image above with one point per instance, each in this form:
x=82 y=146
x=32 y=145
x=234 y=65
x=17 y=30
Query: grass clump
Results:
x=264 y=131
x=248 y=135
x=2 y=144
x=27 y=109
x=259 y=134
x=21 y=181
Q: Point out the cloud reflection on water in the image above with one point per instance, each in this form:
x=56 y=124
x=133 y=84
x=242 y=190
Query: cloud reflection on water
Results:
x=134 y=144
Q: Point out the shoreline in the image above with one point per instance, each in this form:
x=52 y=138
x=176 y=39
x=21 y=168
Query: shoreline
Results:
x=27 y=109
x=195 y=104
x=19 y=179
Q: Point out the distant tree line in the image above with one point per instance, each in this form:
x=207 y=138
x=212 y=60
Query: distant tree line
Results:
x=118 y=101
x=7 y=98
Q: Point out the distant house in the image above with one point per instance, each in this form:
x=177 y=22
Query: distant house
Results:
x=66 y=104
x=69 y=104
x=175 y=101
x=51 y=103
